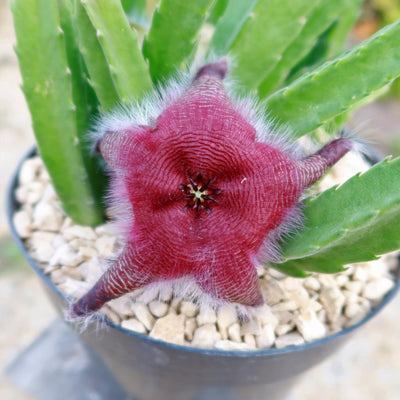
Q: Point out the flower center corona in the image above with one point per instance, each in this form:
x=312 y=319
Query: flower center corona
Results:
x=199 y=194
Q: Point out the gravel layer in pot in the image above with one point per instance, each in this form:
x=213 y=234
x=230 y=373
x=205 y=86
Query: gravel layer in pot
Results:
x=295 y=310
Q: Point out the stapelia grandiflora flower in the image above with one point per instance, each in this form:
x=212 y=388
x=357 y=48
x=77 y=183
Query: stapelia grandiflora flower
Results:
x=205 y=197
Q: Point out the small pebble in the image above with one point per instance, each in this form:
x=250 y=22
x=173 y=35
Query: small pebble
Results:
x=77 y=243
x=327 y=280
x=44 y=252
x=266 y=316
x=277 y=274
x=38 y=238
x=34 y=192
x=170 y=328
x=44 y=175
x=360 y=273
x=112 y=316
x=21 y=194
x=377 y=268
x=226 y=316
x=291 y=339
x=190 y=327
x=29 y=170
x=234 y=332
x=23 y=224
x=58 y=240
x=377 y=288
x=291 y=283
x=188 y=309
x=206 y=316
x=352 y=310
x=58 y=276
x=315 y=305
x=47 y=268
x=272 y=291
x=312 y=283
x=133 y=325
x=285 y=306
x=105 y=229
x=81 y=232
x=206 y=336
x=341 y=280
x=283 y=329
x=310 y=326
x=90 y=269
x=228 y=345
x=50 y=196
x=251 y=325
x=74 y=288
x=65 y=255
x=46 y=217
x=350 y=297
x=300 y=296
x=175 y=303
x=391 y=261
x=322 y=316
x=143 y=314
x=354 y=286
x=71 y=272
x=338 y=324
x=250 y=340
x=266 y=338
x=357 y=313
x=122 y=306
x=67 y=224
x=87 y=252
x=333 y=301
x=106 y=246
x=158 y=308
x=284 y=317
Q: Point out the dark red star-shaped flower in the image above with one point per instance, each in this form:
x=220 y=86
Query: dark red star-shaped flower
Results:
x=206 y=198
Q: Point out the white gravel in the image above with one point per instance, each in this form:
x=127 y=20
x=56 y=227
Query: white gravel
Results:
x=295 y=310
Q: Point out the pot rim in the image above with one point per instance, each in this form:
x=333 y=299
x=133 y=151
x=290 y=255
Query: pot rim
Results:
x=11 y=207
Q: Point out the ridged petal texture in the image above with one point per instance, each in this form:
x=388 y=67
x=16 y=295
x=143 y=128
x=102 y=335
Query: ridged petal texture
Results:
x=205 y=196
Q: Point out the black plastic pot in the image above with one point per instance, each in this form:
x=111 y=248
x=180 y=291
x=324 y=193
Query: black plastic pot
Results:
x=150 y=369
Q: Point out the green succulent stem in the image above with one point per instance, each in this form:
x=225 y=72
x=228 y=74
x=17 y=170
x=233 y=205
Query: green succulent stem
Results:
x=260 y=44
x=120 y=45
x=333 y=88
x=167 y=47
x=229 y=26
x=99 y=73
x=47 y=85
x=340 y=32
x=84 y=99
x=319 y=19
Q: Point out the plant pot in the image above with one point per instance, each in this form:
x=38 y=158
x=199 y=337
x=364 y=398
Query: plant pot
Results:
x=150 y=369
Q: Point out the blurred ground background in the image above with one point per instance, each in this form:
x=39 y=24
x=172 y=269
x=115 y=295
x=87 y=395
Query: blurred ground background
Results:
x=367 y=368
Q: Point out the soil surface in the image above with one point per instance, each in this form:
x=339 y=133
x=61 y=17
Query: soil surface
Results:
x=367 y=368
